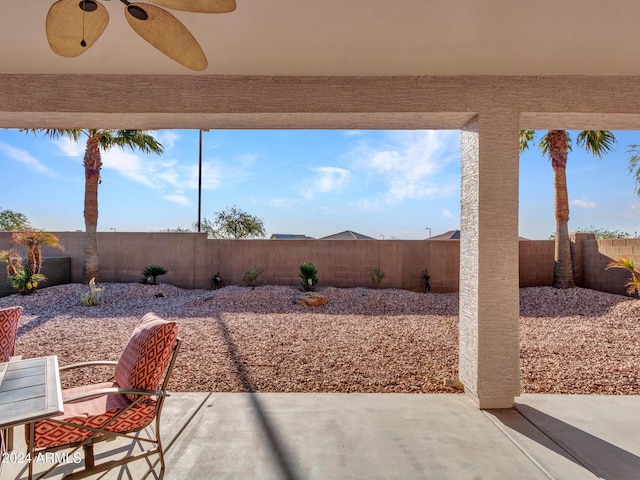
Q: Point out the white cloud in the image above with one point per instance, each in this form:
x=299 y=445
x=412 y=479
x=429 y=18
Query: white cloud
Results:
x=411 y=163
x=177 y=198
x=168 y=138
x=71 y=148
x=158 y=172
x=327 y=179
x=583 y=203
x=331 y=179
x=447 y=214
x=27 y=160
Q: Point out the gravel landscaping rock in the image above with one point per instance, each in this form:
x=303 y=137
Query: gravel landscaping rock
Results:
x=363 y=340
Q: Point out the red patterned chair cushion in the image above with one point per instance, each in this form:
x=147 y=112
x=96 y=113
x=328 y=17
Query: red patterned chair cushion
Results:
x=92 y=412
x=8 y=328
x=146 y=356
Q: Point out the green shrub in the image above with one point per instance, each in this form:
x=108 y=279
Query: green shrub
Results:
x=377 y=275
x=250 y=276
x=150 y=273
x=24 y=280
x=426 y=279
x=309 y=276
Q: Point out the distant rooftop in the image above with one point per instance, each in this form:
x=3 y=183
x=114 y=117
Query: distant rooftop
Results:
x=290 y=236
x=455 y=235
x=347 y=235
x=450 y=235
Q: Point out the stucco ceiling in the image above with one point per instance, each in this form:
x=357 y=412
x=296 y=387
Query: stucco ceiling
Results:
x=355 y=37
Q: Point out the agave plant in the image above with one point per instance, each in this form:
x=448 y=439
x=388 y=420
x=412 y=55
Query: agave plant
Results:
x=94 y=296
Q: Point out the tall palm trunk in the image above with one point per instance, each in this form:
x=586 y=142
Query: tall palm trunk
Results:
x=92 y=166
x=563 y=270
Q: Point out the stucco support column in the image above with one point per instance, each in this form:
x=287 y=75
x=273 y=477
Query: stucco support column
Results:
x=489 y=365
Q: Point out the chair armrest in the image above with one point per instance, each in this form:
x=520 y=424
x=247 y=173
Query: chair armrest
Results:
x=88 y=364
x=115 y=390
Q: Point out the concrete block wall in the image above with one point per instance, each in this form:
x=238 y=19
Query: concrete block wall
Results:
x=536 y=263
x=192 y=260
x=340 y=263
x=597 y=254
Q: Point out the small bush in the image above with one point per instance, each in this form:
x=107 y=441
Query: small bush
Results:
x=251 y=276
x=309 y=276
x=377 y=275
x=150 y=274
x=24 y=281
x=426 y=279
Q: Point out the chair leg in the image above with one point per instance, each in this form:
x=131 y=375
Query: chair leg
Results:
x=89 y=460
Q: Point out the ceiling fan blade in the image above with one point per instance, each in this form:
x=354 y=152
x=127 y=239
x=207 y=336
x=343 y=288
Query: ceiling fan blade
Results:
x=167 y=34
x=75 y=25
x=199 y=6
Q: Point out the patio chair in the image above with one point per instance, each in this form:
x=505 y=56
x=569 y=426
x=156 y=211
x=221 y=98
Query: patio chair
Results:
x=124 y=407
x=9 y=318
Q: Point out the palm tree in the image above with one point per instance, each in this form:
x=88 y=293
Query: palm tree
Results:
x=557 y=144
x=98 y=140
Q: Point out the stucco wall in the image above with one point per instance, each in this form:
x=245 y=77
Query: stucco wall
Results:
x=192 y=259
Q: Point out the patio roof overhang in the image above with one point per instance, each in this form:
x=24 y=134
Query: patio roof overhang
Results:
x=488 y=68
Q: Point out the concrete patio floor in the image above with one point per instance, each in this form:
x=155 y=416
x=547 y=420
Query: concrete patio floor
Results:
x=297 y=436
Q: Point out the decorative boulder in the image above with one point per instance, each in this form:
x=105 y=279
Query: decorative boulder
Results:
x=312 y=299
x=453 y=383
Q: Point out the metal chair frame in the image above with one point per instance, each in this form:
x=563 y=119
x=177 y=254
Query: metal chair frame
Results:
x=100 y=434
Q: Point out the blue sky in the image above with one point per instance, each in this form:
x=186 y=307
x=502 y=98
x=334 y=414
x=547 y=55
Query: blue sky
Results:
x=394 y=184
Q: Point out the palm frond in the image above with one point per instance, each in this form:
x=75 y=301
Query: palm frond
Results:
x=73 y=134
x=36 y=238
x=624 y=262
x=634 y=165
x=526 y=137
x=597 y=142
x=137 y=140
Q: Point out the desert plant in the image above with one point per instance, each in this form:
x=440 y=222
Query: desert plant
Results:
x=216 y=281
x=377 y=275
x=24 y=280
x=626 y=263
x=426 y=279
x=93 y=296
x=13 y=260
x=25 y=275
x=309 y=276
x=151 y=273
x=250 y=276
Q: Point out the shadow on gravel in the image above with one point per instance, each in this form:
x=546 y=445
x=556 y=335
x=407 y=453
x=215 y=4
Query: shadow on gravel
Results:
x=279 y=450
